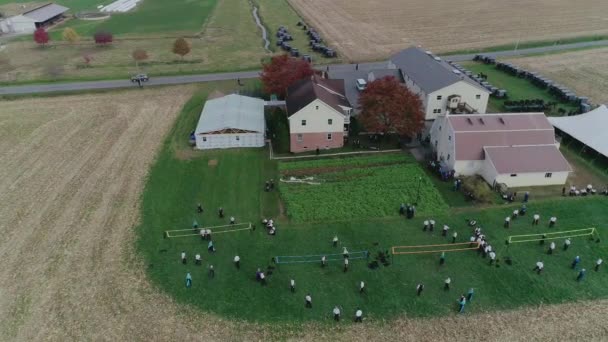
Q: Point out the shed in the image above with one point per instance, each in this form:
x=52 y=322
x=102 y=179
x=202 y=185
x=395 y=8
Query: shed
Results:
x=31 y=20
x=231 y=121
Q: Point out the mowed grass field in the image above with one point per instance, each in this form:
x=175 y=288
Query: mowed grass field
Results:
x=517 y=88
x=230 y=41
x=234 y=180
x=364 y=30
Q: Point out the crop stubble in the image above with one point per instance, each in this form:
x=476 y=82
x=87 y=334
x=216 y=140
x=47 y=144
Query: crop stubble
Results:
x=71 y=173
x=363 y=30
x=584 y=71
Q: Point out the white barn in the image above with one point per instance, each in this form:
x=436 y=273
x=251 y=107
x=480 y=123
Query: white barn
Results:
x=231 y=121
x=516 y=149
x=440 y=86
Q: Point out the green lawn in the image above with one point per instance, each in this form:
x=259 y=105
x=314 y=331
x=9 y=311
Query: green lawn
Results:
x=180 y=178
x=517 y=88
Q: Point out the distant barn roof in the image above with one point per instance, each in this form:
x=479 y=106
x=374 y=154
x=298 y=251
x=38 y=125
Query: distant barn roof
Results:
x=233 y=111
x=428 y=73
x=46 y=12
x=303 y=92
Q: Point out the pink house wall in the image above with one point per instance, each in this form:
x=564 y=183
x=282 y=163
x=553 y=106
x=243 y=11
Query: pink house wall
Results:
x=310 y=141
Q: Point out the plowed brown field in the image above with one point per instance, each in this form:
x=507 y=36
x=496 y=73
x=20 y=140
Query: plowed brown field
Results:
x=72 y=169
x=363 y=30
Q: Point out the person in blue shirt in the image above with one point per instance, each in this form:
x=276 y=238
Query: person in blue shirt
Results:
x=575 y=262
x=461 y=303
x=188 y=280
x=581 y=275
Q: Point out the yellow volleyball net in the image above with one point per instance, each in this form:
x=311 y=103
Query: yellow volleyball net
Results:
x=228 y=228
x=591 y=232
x=440 y=248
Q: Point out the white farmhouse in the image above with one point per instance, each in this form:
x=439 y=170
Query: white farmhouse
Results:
x=231 y=121
x=440 y=86
x=516 y=149
x=318 y=113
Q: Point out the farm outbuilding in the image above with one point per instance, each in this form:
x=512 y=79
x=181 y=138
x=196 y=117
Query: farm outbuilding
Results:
x=588 y=128
x=29 y=21
x=515 y=149
x=231 y=121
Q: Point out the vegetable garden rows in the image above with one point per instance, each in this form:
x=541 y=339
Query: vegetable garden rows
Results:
x=360 y=191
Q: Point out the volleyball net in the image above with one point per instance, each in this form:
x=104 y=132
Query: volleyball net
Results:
x=228 y=228
x=591 y=232
x=425 y=249
x=298 y=259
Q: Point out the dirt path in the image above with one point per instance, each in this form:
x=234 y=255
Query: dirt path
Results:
x=71 y=173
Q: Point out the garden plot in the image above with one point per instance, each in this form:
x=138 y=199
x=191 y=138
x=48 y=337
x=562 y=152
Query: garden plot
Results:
x=356 y=187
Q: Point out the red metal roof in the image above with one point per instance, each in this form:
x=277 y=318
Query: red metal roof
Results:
x=522 y=159
x=499 y=122
x=469 y=145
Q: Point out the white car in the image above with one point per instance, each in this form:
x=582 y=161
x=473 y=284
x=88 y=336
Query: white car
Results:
x=360 y=84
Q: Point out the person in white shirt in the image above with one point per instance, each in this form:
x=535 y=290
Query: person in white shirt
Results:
x=426 y=225
x=539 y=267
x=552 y=221
x=203 y=233
x=454 y=236
x=233 y=220
x=536 y=220
x=507 y=221
x=292 y=286
x=197 y=259
x=358 y=316
x=345 y=252
x=308 y=299
x=515 y=213
x=184 y=258
x=567 y=244
x=237 y=261
x=431 y=225
x=445 y=229
x=336 y=312
x=345 y=265
x=335 y=241
x=551 y=248
x=262 y=278
x=323 y=261
x=598 y=263
x=362 y=287
x=446 y=283
x=492 y=257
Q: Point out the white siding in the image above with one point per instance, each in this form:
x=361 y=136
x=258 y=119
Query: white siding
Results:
x=467 y=167
x=17 y=24
x=209 y=141
x=467 y=92
x=532 y=179
x=488 y=171
x=316 y=115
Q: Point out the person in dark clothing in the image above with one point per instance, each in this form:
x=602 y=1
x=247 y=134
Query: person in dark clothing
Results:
x=419 y=289
x=220 y=212
x=199 y=208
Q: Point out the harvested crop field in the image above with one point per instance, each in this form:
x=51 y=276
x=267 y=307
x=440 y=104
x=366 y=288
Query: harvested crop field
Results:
x=584 y=71
x=72 y=171
x=363 y=30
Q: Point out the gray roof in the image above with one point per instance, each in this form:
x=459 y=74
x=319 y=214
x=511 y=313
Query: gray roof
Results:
x=232 y=112
x=46 y=12
x=428 y=73
x=350 y=76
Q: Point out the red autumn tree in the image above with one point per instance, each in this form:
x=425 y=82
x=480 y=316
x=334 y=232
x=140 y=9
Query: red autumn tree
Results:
x=41 y=36
x=103 y=37
x=283 y=71
x=389 y=107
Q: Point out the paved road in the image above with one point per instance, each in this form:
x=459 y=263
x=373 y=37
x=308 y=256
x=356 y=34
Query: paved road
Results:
x=65 y=87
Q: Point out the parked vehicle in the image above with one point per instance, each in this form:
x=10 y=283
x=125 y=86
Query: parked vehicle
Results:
x=140 y=78
x=360 y=84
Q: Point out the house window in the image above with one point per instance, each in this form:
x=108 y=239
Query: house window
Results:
x=328 y=136
x=440 y=128
x=448 y=156
x=438 y=97
x=514 y=175
x=437 y=111
x=317 y=107
x=238 y=138
x=204 y=138
x=330 y=121
x=435 y=143
x=548 y=175
x=478 y=96
x=449 y=137
x=303 y=122
x=299 y=137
